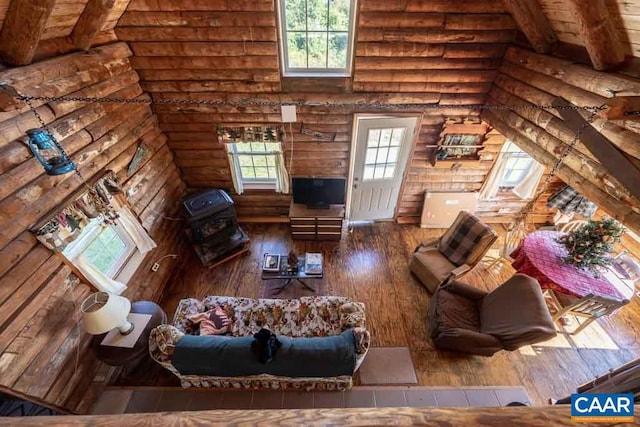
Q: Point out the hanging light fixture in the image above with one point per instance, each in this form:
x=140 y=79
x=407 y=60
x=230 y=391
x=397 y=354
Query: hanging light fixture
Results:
x=49 y=152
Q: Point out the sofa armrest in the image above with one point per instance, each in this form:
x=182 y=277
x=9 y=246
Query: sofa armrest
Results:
x=467 y=291
x=362 y=342
x=460 y=271
x=427 y=245
x=187 y=307
x=467 y=341
x=162 y=342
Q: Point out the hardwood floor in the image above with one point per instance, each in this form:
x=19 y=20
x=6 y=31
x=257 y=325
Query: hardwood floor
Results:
x=370 y=265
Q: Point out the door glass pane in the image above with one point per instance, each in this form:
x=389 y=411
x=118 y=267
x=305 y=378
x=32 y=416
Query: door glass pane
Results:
x=390 y=170
x=393 y=155
x=396 y=138
x=382 y=155
x=374 y=137
x=382 y=152
x=385 y=137
x=371 y=156
x=368 y=173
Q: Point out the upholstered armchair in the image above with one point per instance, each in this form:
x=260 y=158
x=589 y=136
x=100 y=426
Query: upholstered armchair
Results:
x=471 y=320
x=451 y=256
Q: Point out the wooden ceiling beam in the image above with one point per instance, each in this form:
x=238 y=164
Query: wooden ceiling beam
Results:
x=613 y=160
x=23 y=27
x=90 y=23
x=532 y=22
x=599 y=33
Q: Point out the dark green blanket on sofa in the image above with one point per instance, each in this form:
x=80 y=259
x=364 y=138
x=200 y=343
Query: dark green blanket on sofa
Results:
x=226 y=356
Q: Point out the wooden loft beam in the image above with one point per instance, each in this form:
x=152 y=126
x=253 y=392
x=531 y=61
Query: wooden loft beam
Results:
x=616 y=163
x=598 y=32
x=532 y=22
x=23 y=27
x=622 y=108
x=90 y=23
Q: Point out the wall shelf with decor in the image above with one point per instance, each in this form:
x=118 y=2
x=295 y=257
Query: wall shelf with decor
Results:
x=459 y=142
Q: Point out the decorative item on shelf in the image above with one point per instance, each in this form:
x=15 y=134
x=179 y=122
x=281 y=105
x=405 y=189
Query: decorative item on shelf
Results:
x=249 y=134
x=292 y=262
x=102 y=312
x=590 y=246
x=271 y=262
x=49 y=153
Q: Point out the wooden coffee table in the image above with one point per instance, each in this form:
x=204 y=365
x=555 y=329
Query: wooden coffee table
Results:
x=290 y=276
x=130 y=358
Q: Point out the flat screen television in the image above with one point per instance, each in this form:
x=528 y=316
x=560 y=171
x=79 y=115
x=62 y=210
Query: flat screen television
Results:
x=319 y=193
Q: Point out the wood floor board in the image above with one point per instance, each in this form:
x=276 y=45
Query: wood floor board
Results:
x=369 y=265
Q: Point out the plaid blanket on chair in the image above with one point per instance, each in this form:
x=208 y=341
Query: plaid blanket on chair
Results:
x=460 y=240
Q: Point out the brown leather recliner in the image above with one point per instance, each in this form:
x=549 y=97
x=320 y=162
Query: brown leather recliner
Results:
x=470 y=320
x=435 y=261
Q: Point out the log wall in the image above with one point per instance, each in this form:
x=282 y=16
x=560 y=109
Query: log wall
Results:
x=44 y=352
x=623 y=13
x=406 y=52
x=527 y=78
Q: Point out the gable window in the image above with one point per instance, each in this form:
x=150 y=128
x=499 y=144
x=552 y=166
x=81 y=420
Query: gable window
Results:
x=317 y=37
x=518 y=165
x=514 y=171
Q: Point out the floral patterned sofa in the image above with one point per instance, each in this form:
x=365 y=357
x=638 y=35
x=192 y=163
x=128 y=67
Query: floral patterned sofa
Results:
x=304 y=317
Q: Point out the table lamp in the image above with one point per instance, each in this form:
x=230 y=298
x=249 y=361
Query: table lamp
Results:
x=103 y=311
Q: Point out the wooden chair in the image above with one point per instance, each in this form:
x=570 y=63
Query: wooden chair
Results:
x=573 y=225
x=630 y=267
x=591 y=307
x=512 y=240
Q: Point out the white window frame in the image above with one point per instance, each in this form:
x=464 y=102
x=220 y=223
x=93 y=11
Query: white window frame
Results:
x=316 y=72
x=512 y=156
x=125 y=265
x=255 y=183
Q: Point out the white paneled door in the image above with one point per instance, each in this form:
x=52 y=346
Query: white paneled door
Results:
x=382 y=151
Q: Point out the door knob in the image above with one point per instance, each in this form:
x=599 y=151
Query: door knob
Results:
x=355 y=185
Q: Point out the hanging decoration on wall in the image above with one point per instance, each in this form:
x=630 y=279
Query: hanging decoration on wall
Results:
x=141 y=153
x=49 y=153
x=250 y=134
x=66 y=225
x=323 y=136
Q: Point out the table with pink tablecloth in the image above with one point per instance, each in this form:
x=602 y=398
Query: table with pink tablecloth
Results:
x=540 y=256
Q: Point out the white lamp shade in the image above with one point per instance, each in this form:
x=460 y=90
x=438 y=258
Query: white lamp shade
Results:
x=102 y=312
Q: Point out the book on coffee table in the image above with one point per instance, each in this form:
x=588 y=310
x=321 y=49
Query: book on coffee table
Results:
x=313 y=263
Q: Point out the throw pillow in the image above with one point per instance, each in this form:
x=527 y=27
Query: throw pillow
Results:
x=212 y=322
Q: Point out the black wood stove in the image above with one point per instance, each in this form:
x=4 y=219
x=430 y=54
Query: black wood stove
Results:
x=213 y=226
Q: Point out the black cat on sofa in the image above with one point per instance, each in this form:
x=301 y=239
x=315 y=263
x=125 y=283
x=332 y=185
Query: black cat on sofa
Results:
x=265 y=345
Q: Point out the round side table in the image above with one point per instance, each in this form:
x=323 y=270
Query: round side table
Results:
x=131 y=357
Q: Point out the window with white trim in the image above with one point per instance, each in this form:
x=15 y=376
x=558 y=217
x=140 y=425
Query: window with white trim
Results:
x=108 y=247
x=518 y=166
x=257 y=163
x=316 y=37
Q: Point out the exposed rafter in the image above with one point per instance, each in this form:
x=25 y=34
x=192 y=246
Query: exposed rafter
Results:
x=614 y=161
x=22 y=30
x=93 y=18
x=598 y=32
x=533 y=23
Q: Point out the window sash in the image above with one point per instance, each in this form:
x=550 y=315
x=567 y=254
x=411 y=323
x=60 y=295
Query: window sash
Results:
x=76 y=249
x=512 y=160
x=245 y=150
x=288 y=71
